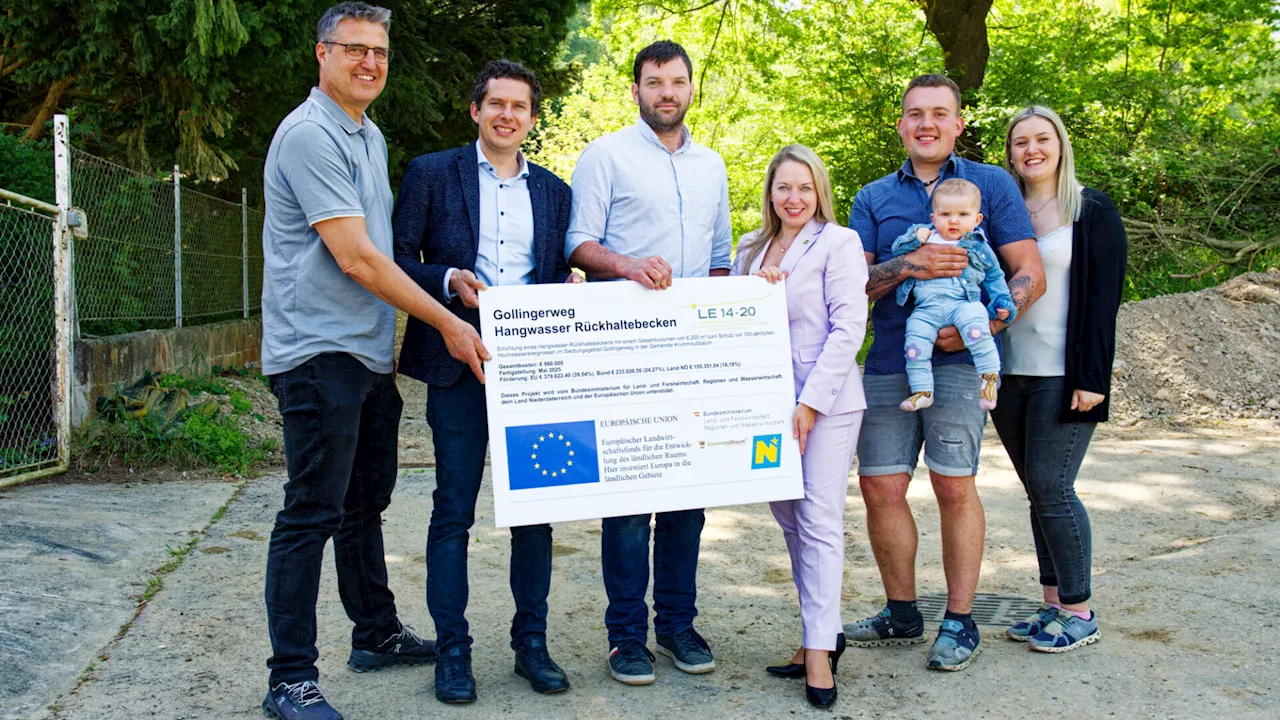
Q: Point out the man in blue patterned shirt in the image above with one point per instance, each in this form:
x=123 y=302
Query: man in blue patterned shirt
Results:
x=951 y=430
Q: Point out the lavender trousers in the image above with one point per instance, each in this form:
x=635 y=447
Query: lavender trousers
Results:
x=814 y=526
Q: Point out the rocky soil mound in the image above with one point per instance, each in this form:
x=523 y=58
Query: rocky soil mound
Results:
x=1202 y=357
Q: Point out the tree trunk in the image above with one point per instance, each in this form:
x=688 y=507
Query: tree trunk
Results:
x=36 y=130
x=960 y=27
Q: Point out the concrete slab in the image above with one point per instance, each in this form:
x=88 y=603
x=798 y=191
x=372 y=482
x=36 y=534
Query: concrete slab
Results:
x=73 y=559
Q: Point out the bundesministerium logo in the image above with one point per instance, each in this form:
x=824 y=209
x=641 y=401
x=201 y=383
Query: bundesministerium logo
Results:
x=766 y=451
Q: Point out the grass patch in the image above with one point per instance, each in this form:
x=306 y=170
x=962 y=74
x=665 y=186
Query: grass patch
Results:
x=173 y=421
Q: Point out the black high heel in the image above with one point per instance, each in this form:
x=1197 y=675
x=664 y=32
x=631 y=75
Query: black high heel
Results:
x=826 y=697
x=790 y=670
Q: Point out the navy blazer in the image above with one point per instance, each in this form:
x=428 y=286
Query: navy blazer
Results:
x=436 y=224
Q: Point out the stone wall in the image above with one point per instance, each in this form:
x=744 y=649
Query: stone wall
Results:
x=102 y=364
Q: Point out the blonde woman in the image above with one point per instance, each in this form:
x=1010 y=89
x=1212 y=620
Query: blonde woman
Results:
x=826 y=276
x=1057 y=369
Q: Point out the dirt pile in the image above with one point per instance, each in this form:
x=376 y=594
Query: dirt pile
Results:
x=1201 y=358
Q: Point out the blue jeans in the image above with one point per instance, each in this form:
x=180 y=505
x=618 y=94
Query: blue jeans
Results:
x=341 y=424
x=939 y=305
x=950 y=431
x=624 y=554
x=460 y=429
x=1047 y=455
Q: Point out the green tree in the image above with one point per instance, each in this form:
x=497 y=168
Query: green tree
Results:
x=205 y=82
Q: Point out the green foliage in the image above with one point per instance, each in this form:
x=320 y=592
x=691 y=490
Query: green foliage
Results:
x=153 y=424
x=196 y=384
x=205 y=82
x=1173 y=108
x=147 y=442
x=239 y=403
x=27 y=167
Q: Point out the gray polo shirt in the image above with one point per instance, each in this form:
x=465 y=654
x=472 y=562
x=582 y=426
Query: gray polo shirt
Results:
x=322 y=165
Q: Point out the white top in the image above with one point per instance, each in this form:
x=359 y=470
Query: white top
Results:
x=936 y=239
x=1036 y=343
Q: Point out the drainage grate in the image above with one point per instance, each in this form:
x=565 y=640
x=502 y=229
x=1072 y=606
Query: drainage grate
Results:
x=987 y=609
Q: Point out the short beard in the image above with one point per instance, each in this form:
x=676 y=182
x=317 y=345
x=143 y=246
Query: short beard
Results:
x=650 y=117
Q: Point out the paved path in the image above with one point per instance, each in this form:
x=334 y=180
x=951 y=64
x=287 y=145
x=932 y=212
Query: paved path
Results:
x=1187 y=537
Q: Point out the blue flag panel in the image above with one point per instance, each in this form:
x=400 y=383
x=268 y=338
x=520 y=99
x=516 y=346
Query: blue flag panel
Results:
x=552 y=454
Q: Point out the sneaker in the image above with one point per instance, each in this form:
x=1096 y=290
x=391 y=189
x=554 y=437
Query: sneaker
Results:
x=688 y=651
x=403 y=648
x=1067 y=631
x=298 y=701
x=1027 y=629
x=881 y=630
x=955 y=648
x=631 y=663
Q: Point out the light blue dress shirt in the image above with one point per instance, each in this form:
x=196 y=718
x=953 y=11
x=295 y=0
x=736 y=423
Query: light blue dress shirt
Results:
x=636 y=198
x=505 y=253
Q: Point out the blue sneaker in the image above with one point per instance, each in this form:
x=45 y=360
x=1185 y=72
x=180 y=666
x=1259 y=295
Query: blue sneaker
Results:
x=955 y=648
x=1028 y=628
x=1067 y=631
x=298 y=701
x=881 y=629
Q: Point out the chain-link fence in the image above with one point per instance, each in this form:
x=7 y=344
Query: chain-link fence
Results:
x=29 y=375
x=127 y=270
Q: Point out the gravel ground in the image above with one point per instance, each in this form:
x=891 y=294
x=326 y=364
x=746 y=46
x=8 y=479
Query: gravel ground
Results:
x=1187 y=533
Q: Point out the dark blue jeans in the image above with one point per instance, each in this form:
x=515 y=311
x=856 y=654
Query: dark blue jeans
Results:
x=624 y=550
x=460 y=429
x=1047 y=455
x=341 y=423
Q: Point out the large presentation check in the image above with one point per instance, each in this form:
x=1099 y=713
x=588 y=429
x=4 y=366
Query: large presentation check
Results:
x=608 y=399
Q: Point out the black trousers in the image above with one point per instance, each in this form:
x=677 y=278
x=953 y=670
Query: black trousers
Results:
x=341 y=424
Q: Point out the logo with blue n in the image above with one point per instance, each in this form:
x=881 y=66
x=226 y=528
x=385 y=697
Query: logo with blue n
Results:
x=552 y=454
x=766 y=451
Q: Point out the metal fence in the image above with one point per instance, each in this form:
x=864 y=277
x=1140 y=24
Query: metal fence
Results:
x=35 y=339
x=158 y=254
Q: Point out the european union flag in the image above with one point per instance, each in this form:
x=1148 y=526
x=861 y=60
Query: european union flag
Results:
x=552 y=454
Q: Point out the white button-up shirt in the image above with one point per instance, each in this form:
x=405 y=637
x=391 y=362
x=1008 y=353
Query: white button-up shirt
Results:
x=636 y=198
x=505 y=253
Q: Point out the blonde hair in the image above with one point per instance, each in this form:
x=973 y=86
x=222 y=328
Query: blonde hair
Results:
x=770 y=224
x=1069 y=188
x=957 y=187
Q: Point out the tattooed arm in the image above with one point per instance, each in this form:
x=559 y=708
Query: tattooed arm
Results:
x=926 y=263
x=1026 y=276
x=1026 y=285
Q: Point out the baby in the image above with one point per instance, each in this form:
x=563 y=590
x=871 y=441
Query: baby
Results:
x=956 y=301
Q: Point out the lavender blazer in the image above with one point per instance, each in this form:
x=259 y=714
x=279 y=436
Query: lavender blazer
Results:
x=827 y=310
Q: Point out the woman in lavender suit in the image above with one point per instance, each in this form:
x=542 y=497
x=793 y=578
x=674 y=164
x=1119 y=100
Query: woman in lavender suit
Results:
x=826 y=278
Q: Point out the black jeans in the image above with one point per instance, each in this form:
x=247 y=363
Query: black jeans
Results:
x=341 y=423
x=460 y=430
x=1047 y=455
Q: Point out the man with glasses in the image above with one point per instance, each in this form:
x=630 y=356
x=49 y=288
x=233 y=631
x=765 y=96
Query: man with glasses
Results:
x=329 y=294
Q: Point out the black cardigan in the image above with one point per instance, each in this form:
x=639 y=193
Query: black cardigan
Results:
x=1099 y=252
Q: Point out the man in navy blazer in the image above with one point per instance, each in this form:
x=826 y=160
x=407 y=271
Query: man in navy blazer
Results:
x=466 y=219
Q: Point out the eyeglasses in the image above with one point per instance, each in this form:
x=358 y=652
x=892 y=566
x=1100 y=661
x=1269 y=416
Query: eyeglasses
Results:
x=357 y=52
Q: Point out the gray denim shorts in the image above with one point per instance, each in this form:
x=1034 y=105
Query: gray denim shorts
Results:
x=950 y=431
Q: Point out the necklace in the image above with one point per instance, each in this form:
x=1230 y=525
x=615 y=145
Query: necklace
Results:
x=1036 y=213
x=932 y=181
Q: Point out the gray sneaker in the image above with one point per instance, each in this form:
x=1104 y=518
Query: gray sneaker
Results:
x=955 y=648
x=631 y=663
x=881 y=630
x=688 y=651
